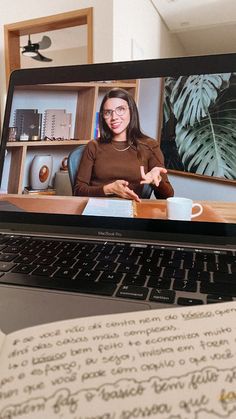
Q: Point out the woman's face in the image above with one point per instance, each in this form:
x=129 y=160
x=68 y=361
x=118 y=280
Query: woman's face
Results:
x=116 y=114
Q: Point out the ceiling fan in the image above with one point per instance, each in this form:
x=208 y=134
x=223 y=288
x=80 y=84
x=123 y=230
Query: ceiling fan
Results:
x=32 y=49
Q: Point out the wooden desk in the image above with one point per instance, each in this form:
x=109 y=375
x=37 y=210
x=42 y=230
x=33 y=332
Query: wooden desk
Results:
x=215 y=211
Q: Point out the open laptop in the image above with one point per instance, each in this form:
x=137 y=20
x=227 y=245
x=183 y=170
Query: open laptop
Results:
x=190 y=262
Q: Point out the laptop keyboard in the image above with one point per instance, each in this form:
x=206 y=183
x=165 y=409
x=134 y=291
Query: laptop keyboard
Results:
x=161 y=274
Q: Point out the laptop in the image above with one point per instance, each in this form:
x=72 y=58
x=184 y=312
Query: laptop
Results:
x=116 y=258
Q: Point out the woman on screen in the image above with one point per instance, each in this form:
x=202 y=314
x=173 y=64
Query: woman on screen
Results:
x=122 y=159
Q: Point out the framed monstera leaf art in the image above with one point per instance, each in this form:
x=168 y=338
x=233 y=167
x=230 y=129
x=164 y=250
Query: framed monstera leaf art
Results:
x=199 y=125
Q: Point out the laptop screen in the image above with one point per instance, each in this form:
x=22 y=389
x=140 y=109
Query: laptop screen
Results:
x=132 y=143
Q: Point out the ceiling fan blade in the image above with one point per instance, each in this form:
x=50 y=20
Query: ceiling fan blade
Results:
x=45 y=42
x=40 y=57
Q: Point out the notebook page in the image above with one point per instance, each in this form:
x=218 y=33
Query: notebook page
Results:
x=109 y=207
x=178 y=363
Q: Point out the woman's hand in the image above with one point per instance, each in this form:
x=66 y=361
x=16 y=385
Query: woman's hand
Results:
x=121 y=189
x=153 y=177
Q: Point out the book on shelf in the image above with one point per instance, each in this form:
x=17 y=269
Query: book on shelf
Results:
x=96 y=133
x=169 y=363
x=57 y=124
x=48 y=191
x=28 y=123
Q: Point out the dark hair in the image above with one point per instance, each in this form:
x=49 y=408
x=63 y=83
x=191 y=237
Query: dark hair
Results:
x=133 y=130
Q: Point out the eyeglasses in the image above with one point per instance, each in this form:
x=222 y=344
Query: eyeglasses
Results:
x=119 y=110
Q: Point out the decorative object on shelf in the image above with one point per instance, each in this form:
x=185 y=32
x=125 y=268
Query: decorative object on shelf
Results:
x=35 y=138
x=62 y=183
x=40 y=171
x=24 y=137
x=12 y=134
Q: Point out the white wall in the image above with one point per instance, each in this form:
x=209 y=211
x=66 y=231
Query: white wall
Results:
x=123 y=29
x=139 y=32
x=202 y=189
x=15 y=11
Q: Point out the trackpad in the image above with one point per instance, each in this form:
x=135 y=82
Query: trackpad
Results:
x=25 y=307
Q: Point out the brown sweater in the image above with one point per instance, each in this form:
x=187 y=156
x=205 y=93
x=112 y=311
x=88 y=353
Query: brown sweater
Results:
x=101 y=164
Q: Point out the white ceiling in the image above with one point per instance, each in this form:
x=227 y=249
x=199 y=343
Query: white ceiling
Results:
x=202 y=26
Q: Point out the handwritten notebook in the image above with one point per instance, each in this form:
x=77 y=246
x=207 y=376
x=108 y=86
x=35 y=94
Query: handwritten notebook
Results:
x=109 y=207
x=170 y=363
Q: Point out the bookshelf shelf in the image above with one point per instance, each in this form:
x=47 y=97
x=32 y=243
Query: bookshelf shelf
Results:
x=81 y=99
x=42 y=143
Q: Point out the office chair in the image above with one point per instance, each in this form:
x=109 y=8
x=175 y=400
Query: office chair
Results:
x=73 y=164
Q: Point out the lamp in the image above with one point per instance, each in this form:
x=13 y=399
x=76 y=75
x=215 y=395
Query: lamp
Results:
x=30 y=50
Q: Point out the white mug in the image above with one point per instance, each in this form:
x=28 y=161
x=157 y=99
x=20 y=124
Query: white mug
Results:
x=181 y=209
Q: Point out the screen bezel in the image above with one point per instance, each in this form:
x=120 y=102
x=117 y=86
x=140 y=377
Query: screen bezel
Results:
x=141 y=228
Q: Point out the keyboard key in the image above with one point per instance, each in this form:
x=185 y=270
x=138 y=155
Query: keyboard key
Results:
x=7 y=257
x=188 y=286
x=88 y=256
x=85 y=275
x=211 y=298
x=155 y=282
x=84 y=287
x=106 y=258
x=25 y=259
x=205 y=257
x=131 y=279
x=132 y=269
x=162 y=253
x=171 y=263
x=198 y=275
x=174 y=273
x=6 y=266
x=217 y=267
x=162 y=296
x=224 y=277
x=49 y=252
x=63 y=263
x=66 y=273
x=106 y=266
x=122 y=250
x=198 y=265
x=85 y=264
x=183 y=255
x=131 y=291
x=44 y=260
x=127 y=259
x=233 y=267
x=12 y=249
x=45 y=270
x=218 y=288
x=151 y=270
x=26 y=280
x=188 y=301
x=25 y=269
x=111 y=277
